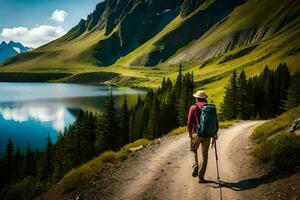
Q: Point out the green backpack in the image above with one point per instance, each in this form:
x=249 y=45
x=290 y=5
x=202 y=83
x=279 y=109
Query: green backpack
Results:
x=209 y=125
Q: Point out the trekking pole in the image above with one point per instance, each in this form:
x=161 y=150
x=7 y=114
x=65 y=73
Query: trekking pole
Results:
x=216 y=152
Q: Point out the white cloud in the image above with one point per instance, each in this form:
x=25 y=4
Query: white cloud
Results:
x=34 y=37
x=59 y=15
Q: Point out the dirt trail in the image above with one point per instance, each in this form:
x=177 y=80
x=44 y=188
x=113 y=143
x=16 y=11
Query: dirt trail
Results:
x=169 y=171
x=163 y=171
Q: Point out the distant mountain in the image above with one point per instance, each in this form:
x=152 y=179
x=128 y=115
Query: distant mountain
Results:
x=145 y=40
x=154 y=32
x=11 y=49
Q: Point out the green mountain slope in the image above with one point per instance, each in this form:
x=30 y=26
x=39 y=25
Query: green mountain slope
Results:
x=144 y=40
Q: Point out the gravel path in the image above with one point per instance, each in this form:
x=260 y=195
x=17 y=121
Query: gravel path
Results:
x=163 y=171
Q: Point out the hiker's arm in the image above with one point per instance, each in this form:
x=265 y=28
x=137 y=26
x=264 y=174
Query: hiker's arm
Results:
x=190 y=121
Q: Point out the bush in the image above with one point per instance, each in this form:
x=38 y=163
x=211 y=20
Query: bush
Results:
x=275 y=144
x=282 y=150
x=74 y=178
x=273 y=126
x=108 y=157
x=24 y=189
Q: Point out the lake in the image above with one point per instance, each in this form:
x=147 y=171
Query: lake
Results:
x=31 y=111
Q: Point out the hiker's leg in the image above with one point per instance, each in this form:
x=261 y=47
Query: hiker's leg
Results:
x=204 y=147
x=195 y=159
x=195 y=142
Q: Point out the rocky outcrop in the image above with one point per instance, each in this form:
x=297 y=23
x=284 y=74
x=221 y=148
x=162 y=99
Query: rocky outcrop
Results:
x=136 y=22
x=189 y=6
x=189 y=30
x=93 y=19
x=274 y=23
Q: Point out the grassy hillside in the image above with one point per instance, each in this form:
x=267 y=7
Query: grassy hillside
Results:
x=275 y=143
x=254 y=34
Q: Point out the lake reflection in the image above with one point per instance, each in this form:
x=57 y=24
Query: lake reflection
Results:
x=53 y=115
x=31 y=111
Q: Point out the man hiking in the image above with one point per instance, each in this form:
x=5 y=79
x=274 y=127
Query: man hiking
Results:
x=202 y=126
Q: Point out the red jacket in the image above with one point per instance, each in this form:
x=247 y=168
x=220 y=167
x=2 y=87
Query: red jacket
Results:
x=193 y=117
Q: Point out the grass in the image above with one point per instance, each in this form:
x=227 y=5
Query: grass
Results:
x=275 y=144
x=227 y=124
x=284 y=121
x=282 y=150
x=178 y=131
x=78 y=176
x=89 y=77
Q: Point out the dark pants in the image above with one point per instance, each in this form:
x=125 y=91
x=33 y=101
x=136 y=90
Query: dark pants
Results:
x=195 y=143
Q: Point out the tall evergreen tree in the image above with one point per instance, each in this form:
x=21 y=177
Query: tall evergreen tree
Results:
x=47 y=166
x=178 y=83
x=243 y=102
x=18 y=164
x=269 y=108
x=293 y=96
x=111 y=131
x=89 y=136
x=186 y=99
x=8 y=162
x=154 y=126
x=124 y=119
x=29 y=162
x=282 y=79
x=99 y=143
x=229 y=106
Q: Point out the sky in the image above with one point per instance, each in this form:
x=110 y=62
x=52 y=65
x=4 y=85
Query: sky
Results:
x=37 y=22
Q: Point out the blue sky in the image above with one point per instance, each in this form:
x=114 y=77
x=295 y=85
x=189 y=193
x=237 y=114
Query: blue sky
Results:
x=30 y=22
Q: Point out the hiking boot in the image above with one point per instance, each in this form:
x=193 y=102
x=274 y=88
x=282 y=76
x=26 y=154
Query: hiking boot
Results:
x=202 y=180
x=195 y=171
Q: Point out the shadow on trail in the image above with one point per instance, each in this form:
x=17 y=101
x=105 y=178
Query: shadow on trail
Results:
x=251 y=182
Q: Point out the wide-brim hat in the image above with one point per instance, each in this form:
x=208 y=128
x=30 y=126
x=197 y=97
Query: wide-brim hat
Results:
x=200 y=95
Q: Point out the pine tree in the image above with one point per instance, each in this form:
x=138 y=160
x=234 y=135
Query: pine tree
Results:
x=138 y=121
x=243 y=101
x=186 y=99
x=8 y=162
x=229 y=106
x=124 y=119
x=60 y=162
x=282 y=79
x=29 y=162
x=251 y=98
x=178 y=83
x=293 y=96
x=76 y=136
x=269 y=107
x=88 y=136
x=154 y=126
x=47 y=166
x=169 y=119
x=99 y=144
x=111 y=131
x=177 y=92
x=18 y=163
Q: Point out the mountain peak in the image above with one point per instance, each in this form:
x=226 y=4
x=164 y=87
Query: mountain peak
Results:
x=10 y=49
x=11 y=42
x=3 y=44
